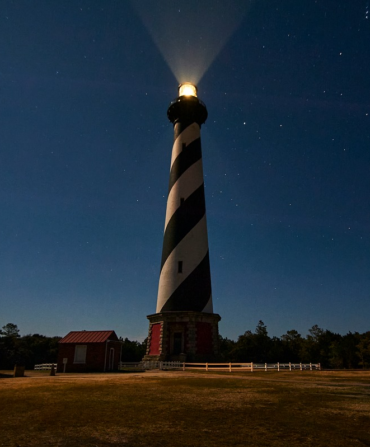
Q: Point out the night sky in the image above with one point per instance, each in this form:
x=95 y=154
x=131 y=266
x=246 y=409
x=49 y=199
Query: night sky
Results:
x=85 y=147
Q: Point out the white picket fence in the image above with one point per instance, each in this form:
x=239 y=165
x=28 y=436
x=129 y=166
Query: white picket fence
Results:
x=162 y=365
x=129 y=365
x=147 y=365
x=45 y=366
x=288 y=366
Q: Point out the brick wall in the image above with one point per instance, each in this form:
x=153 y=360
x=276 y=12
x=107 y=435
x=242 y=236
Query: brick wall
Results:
x=155 y=339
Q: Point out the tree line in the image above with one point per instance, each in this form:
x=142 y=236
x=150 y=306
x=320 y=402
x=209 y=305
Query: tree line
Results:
x=30 y=350
x=350 y=351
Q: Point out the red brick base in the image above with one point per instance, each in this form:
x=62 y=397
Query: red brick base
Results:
x=190 y=336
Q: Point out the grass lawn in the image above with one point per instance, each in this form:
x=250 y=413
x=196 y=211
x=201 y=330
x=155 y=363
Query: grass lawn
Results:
x=186 y=409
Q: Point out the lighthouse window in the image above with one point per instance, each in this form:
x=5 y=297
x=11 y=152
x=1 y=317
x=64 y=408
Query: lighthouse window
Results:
x=179 y=267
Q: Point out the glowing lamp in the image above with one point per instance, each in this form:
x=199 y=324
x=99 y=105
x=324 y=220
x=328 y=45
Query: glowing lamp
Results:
x=187 y=89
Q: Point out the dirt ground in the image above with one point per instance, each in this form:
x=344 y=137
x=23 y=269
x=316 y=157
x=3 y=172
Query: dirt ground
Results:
x=186 y=409
x=340 y=378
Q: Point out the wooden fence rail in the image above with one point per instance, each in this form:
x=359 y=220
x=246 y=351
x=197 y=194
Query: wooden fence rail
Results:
x=218 y=366
x=252 y=366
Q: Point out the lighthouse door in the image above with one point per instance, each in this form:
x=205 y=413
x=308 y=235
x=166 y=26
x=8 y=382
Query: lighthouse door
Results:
x=177 y=343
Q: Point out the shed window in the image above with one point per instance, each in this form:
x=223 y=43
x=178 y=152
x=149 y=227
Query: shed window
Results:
x=80 y=354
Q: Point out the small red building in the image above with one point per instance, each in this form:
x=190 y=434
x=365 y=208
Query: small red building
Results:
x=83 y=351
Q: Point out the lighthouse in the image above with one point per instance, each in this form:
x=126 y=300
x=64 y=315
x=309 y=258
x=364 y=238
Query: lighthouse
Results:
x=184 y=326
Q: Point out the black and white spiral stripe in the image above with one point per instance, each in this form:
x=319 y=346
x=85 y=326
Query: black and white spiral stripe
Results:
x=185 y=280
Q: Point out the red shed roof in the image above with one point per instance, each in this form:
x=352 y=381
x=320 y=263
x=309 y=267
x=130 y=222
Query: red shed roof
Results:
x=89 y=337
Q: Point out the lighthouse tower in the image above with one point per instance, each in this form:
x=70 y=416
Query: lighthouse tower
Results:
x=184 y=326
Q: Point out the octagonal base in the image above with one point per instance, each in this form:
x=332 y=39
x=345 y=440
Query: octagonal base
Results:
x=183 y=336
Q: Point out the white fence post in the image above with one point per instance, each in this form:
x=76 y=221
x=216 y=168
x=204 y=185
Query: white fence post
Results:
x=300 y=366
x=278 y=366
x=319 y=366
x=265 y=366
x=290 y=366
x=310 y=366
x=230 y=367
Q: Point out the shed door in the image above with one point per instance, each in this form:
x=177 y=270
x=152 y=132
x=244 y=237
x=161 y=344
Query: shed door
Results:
x=111 y=360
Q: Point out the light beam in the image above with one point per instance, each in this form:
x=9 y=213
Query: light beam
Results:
x=190 y=35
